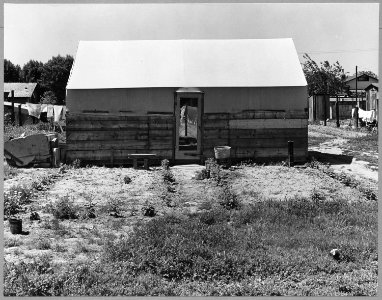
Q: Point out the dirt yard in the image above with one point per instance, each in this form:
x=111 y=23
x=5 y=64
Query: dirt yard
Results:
x=113 y=205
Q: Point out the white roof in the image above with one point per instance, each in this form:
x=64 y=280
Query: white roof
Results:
x=186 y=63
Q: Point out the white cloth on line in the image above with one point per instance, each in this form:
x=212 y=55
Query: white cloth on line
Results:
x=365 y=115
x=63 y=117
x=44 y=107
x=34 y=109
x=57 y=112
x=49 y=111
x=352 y=112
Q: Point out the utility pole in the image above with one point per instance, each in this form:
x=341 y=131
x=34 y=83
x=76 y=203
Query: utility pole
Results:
x=356 y=95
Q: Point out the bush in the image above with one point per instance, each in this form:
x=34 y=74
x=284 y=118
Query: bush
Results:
x=15 y=198
x=64 y=208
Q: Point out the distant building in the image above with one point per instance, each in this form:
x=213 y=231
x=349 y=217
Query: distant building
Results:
x=23 y=92
x=363 y=81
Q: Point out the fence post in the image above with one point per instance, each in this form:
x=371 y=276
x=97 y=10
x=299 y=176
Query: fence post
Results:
x=290 y=154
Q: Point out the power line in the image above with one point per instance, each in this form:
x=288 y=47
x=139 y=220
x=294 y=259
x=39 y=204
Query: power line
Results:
x=338 y=51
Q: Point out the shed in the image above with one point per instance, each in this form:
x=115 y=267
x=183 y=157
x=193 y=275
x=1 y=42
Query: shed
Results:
x=181 y=98
x=23 y=92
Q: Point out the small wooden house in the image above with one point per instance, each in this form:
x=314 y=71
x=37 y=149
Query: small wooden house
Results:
x=181 y=98
x=24 y=92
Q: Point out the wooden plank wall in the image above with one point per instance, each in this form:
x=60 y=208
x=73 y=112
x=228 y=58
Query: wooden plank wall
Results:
x=107 y=139
x=257 y=134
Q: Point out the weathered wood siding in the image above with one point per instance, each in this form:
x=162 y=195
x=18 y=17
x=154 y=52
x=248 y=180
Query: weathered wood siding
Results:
x=108 y=139
x=257 y=135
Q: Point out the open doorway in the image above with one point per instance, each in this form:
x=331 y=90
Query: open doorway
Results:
x=188 y=119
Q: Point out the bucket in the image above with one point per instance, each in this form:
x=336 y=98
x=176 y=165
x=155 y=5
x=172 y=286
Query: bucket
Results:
x=16 y=226
x=222 y=152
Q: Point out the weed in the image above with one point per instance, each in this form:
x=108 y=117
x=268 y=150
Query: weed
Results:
x=228 y=199
x=88 y=211
x=76 y=164
x=201 y=175
x=148 y=210
x=165 y=164
x=168 y=176
x=80 y=247
x=64 y=208
x=12 y=242
x=15 y=198
x=213 y=169
x=42 y=244
x=126 y=179
x=113 y=207
x=34 y=216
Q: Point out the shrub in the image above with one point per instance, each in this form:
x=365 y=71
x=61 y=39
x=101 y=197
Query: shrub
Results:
x=64 y=208
x=228 y=199
x=15 y=198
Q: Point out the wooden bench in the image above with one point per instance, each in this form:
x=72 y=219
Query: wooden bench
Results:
x=145 y=157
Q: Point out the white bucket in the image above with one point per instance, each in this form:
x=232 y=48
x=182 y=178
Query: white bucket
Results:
x=222 y=152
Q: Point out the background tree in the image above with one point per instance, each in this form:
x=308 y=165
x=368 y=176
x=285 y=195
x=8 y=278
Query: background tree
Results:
x=12 y=73
x=323 y=78
x=48 y=98
x=55 y=76
x=32 y=71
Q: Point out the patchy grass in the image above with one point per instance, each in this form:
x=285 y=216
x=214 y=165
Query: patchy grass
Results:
x=254 y=231
x=286 y=242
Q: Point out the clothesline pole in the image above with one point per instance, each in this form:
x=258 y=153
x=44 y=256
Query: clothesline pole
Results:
x=20 y=121
x=337 y=112
x=13 y=107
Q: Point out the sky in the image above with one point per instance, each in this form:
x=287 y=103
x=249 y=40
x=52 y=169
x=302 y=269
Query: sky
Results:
x=344 y=32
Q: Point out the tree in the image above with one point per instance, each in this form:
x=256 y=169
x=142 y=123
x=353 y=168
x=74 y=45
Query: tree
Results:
x=32 y=71
x=48 y=98
x=55 y=76
x=324 y=78
x=12 y=73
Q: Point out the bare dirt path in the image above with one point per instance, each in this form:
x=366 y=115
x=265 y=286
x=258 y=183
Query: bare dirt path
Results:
x=334 y=146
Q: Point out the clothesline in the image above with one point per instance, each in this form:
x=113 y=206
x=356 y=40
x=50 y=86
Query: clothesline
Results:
x=57 y=112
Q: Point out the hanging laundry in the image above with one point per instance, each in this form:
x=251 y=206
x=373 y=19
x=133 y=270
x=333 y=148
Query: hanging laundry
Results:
x=365 y=115
x=44 y=108
x=50 y=111
x=63 y=113
x=34 y=109
x=57 y=112
x=352 y=112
